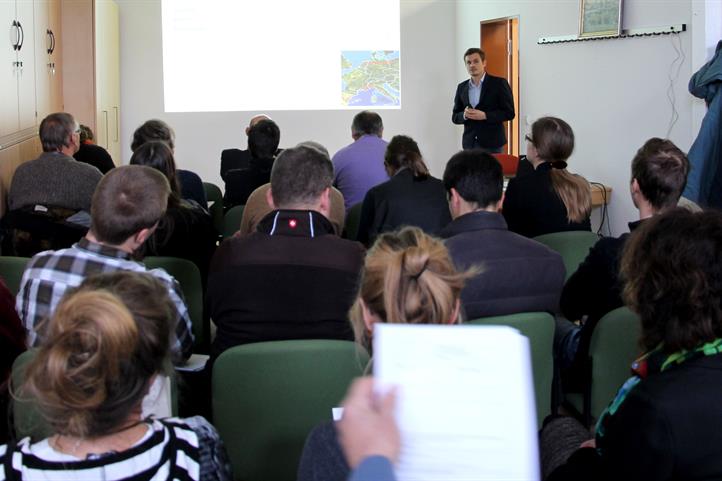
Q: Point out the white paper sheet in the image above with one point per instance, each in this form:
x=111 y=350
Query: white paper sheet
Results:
x=465 y=403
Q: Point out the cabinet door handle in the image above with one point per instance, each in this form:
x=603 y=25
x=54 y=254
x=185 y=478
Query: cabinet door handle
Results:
x=107 y=140
x=17 y=35
x=22 y=36
x=49 y=41
x=52 y=36
x=117 y=125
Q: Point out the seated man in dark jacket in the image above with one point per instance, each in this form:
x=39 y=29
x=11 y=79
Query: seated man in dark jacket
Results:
x=293 y=278
x=263 y=139
x=517 y=274
x=659 y=174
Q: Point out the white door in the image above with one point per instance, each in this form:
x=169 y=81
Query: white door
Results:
x=9 y=38
x=26 y=57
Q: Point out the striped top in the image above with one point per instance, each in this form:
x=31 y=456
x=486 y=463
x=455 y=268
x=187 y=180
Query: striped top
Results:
x=188 y=449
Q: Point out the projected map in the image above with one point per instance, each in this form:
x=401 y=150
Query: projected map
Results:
x=370 y=78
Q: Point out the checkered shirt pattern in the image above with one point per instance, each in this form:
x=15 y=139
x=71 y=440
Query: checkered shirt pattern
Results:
x=49 y=274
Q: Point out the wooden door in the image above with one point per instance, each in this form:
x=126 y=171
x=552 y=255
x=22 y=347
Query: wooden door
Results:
x=499 y=40
x=26 y=56
x=55 y=57
x=9 y=37
x=43 y=43
x=107 y=76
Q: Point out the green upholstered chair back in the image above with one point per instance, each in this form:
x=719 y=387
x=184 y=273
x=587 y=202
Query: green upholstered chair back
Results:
x=353 y=219
x=232 y=221
x=189 y=278
x=26 y=416
x=573 y=246
x=268 y=396
x=11 y=270
x=613 y=348
x=539 y=328
x=215 y=204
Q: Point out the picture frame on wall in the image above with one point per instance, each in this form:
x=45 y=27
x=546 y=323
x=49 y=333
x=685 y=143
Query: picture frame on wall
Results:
x=600 y=18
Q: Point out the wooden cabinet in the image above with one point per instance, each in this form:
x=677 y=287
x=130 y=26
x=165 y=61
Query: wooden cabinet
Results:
x=91 y=68
x=48 y=58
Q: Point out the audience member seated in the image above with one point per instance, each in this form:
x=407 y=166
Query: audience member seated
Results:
x=186 y=230
x=12 y=344
x=408 y=278
x=293 y=278
x=550 y=199
x=263 y=139
x=232 y=159
x=89 y=381
x=257 y=206
x=55 y=179
x=92 y=154
x=659 y=174
x=360 y=165
x=664 y=421
x=411 y=197
x=368 y=432
x=127 y=205
x=190 y=183
x=517 y=274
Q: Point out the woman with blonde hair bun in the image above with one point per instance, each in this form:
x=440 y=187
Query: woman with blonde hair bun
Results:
x=408 y=278
x=104 y=346
x=549 y=198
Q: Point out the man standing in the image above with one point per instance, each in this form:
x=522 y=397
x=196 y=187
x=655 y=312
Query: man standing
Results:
x=518 y=274
x=127 y=206
x=360 y=165
x=293 y=278
x=55 y=179
x=482 y=104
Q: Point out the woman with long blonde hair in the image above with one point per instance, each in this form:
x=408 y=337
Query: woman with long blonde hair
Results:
x=549 y=199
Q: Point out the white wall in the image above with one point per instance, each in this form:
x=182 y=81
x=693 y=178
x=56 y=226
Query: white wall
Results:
x=427 y=75
x=612 y=92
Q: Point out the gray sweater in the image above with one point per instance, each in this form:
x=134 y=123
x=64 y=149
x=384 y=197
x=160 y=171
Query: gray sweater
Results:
x=53 y=179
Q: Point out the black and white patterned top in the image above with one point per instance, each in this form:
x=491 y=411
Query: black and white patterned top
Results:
x=172 y=449
x=49 y=274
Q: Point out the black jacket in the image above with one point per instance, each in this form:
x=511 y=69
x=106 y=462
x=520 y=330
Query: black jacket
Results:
x=532 y=207
x=496 y=101
x=404 y=200
x=519 y=274
x=240 y=183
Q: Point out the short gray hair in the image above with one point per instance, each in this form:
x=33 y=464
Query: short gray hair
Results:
x=299 y=176
x=55 y=131
x=367 y=123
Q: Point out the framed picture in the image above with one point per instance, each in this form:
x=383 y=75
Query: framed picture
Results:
x=600 y=18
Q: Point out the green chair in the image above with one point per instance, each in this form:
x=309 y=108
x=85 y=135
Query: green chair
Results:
x=189 y=278
x=11 y=270
x=573 y=246
x=232 y=221
x=268 y=396
x=215 y=204
x=26 y=417
x=539 y=328
x=613 y=348
x=353 y=219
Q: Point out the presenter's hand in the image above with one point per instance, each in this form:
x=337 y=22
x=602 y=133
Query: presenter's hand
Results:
x=368 y=427
x=474 y=114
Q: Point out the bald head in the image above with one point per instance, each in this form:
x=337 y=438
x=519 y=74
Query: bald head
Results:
x=255 y=120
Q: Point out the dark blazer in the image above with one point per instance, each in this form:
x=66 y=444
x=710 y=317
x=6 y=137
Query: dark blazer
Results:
x=232 y=159
x=519 y=274
x=532 y=207
x=240 y=183
x=96 y=156
x=192 y=187
x=403 y=200
x=498 y=104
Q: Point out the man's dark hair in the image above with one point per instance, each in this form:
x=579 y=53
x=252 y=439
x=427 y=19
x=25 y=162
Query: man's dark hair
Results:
x=661 y=171
x=403 y=151
x=472 y=51
x=55 y=131
x=153 y=130
x=367 y=123
x=477 y=177
x=299 y=176
x=263 y=139
x=127 y=199
x=672 y=271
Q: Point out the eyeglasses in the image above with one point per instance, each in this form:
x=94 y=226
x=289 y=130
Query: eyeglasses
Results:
x=528 y=139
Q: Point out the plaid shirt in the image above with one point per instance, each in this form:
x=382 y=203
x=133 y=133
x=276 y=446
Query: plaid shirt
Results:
x=49 y=274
